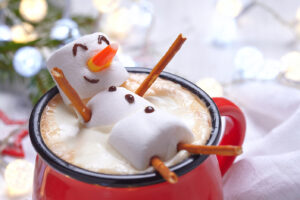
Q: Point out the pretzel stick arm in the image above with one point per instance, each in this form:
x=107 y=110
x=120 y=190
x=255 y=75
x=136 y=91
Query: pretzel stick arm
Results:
x=159 y=67
x=164 y=171
x=69 y=91
x=226 y=150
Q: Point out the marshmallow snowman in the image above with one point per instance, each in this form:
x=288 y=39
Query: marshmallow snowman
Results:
x=139 y=131
x=74 y=59
x=149 y=132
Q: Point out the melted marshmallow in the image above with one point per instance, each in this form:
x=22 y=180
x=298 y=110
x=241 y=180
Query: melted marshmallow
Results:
x=143 y=135
x=75 y=67
x=110 y=107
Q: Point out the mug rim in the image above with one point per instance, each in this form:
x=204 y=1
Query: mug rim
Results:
x=128 y=180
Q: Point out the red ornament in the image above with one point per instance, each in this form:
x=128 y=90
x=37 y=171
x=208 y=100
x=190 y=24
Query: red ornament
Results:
x=14 y=149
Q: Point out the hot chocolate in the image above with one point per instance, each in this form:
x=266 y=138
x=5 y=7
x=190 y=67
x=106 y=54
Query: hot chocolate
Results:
x=89 y=148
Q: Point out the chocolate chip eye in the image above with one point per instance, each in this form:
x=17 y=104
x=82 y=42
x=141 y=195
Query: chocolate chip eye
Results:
x=76 y=45
x=102 y=38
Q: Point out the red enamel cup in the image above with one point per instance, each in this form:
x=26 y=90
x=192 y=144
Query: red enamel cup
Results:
x=200 y=176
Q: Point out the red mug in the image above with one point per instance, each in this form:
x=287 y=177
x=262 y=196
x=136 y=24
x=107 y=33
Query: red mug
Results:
x=200 y=176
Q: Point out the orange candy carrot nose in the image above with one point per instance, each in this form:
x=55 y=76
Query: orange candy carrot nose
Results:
x=102 y=59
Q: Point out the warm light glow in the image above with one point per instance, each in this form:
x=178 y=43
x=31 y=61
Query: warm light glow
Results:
x=229 y=8
x=105 y=6
x=298 y=14
x=211 y=86
x=22 y=33
x=33 y=10
x=18 y=177
x=291 y=64
x=118 y=23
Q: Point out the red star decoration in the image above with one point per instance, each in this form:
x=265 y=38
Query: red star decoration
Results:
x=14 y=149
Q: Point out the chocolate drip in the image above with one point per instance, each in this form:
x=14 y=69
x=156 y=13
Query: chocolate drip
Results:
x=149 y=109
x=129 y=98
x=102 y=38
x=76 y=45
x=112 y=88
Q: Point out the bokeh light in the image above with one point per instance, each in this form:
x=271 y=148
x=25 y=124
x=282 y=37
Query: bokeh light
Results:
x=18 y=176
x=118 y=23
x=211 y=86
x=229 y=8
x=291 y=64
x=33 y=10
x=22 y=33
x=5 y=33
x=105 y=6
x=248 y=61
x=27 y=61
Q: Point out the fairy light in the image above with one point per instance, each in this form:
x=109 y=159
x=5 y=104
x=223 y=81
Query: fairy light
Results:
x=224 y=31
x=248 y=61
x=22 y=33
x=106 y=6
x=211 y=86
x=33 y=10
x=229 y=8
x=298 y=14
x=18 y=176
x=270 y=70
x=118 y=23
x=5 y=33
x=291 y=64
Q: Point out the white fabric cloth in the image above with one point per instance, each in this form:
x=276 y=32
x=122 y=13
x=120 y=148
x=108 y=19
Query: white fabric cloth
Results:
x=269 y=169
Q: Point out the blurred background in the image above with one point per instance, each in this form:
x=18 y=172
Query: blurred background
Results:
x=244 y=50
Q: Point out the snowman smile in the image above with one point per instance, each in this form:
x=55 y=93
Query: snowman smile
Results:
x=90 y=80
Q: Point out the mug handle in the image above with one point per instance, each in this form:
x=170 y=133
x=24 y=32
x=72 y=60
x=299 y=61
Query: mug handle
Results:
x=234 y=132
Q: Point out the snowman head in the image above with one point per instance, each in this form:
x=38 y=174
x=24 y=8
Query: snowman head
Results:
x=89 y=64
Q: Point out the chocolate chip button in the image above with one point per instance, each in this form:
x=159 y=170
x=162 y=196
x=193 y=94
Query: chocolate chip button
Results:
x=149 y=109
x=129 y=98
x=112 y=88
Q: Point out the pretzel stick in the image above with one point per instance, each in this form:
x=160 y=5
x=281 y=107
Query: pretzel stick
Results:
x=159 y=67
x=164 y=171
x=69 y=91
x=226 y=150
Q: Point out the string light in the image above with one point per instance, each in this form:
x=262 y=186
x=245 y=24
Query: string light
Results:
x=33 y=10
x=5 y=33
x=229 y=8
x=105 y=6
x=27 y=61
x=65 y=29
x=270 y=70
x=291 y=64
x=248 y=61
x=18 y=177
x=298 y=14
x=224 y=30
x=22 y=33
x=118 y=23
x=211 y=86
